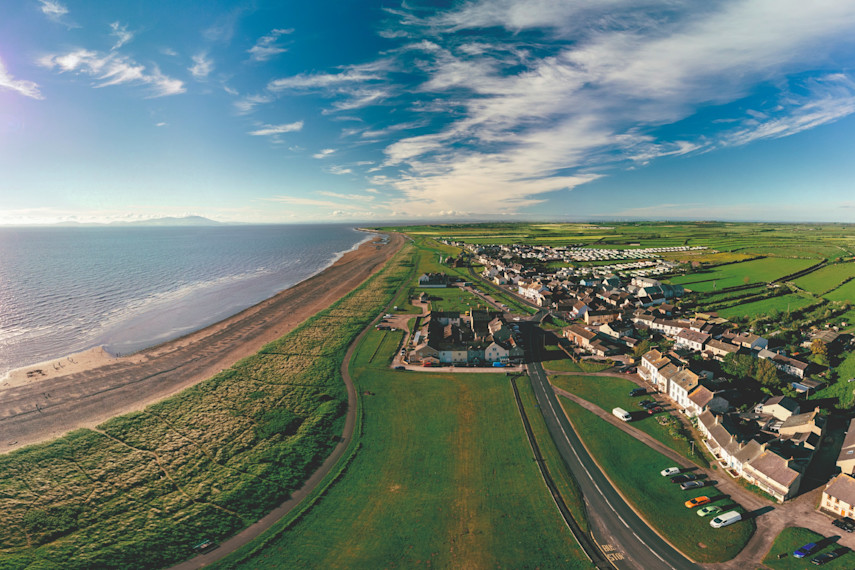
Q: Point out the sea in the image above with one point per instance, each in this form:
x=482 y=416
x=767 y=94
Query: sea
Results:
x=68 y=289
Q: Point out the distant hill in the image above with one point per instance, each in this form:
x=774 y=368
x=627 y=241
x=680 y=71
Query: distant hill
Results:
x=155 y=222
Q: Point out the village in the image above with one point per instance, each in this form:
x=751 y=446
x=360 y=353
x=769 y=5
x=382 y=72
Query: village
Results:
x=743 y=393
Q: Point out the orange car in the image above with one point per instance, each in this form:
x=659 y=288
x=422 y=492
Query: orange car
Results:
x=697 y=502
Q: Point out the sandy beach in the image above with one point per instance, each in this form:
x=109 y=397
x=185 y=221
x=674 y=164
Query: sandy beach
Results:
x=46 y=400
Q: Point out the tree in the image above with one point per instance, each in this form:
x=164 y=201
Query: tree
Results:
x=642 y=348
x=738 y=365
x=820 y=352
x=767 y=374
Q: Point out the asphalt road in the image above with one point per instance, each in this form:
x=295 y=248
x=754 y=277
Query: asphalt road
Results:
x=625 y=539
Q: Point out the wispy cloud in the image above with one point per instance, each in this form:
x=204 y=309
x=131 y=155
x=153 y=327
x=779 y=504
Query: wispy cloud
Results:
x=269 y=130
x=24 y=87
x=268 y=46
x=250 y=102
x=324 y=153
x=353 y=87
x=202 y=66
x=56 y=12
x=121 y=34
x=113 y=69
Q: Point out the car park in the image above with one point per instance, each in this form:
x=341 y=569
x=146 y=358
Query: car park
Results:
x=669 y=471
x=691 y=485
x=829 y=556
x=697 y=502
x=806 y=550
x=683 y=477
x=709 y=510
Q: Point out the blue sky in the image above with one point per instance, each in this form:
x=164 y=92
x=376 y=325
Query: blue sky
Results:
x=394 y=111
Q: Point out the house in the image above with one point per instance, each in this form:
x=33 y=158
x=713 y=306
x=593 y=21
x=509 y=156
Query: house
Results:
x=721 y=437
x=785 y=364
x=600 y=317
x=781 y=407
x=805 y=430
x=679 y=386
x=719 y=348
x=699 y=399
x=495 y=352
x=774 y=474
x=579 y=335
x=692 y=340
x=435 y=280
x=839 y=496
x=846 y=459
x=748 y=341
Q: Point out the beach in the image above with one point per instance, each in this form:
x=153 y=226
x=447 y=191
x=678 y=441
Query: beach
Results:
x=46 y=400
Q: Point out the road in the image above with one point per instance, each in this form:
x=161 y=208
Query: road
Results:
x=625 y=539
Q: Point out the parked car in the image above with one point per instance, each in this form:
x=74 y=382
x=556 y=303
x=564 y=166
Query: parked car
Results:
x=697 y=502
x=845 y=523
x=683 y=477
x=806 y=550
x=637 y=392
x=691 y=485
x=645 y=403
x=709 y=510
x=669 y=471
x=655 y=410
x=725 y=519
x=400 y=368
x=828 y=556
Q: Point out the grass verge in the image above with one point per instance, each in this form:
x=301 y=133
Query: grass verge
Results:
x=795 y=537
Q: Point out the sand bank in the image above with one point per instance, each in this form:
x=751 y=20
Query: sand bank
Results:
x=49 y=399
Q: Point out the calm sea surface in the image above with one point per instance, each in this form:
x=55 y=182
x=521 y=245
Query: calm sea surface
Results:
x=63 y=290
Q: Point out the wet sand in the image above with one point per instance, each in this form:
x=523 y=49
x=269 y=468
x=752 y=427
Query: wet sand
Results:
x=46 y=400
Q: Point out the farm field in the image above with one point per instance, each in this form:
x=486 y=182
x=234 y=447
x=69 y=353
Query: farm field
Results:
x=443 y=478
x=826 y=278
x=141 y=489
x=773 y=305
x=755 y=271
x=845 y=292
x=634 y=469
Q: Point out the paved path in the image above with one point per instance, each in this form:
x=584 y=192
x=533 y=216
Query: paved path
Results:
x=800 y=511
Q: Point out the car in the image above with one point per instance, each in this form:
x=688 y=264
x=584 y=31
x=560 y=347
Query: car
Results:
x=669 y=471
x=725 y=519
x=828 y=556
x=637 y=392
x=697 y=502
x=683 y=477
x=645 y=403
x=805 y=550
x=845 y=524
x=655 y=410
x=400 y=368
x=709 y=510
x=691 y=485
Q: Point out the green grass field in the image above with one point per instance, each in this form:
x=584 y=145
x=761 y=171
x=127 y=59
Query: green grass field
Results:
x=454 y=299
x=608 y=392
x=755 y=271
x=845 y=292
x=583 y=366
x=773 y=305
x=792 y=538
x=444 y=478
x=826 y=278
x=634 y=469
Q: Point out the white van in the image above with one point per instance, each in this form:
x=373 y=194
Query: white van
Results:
x=725 y=519
x=622 y=414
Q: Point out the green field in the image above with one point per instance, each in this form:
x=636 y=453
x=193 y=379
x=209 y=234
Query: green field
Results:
x=143 y=488
x=609 y=392
x=454 y=299
x=444 y=478
x=755 y=271
x=845 y=292
x=634 y=469
x=583 y=366
x=826 y=278
x=773 y=305
x=792 y=538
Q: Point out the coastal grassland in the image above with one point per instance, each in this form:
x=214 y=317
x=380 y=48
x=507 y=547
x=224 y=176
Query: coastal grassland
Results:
x=773 y=305
x=634 y=469
x=794 y=537
x=826 y=278
x=454 y=299
x=583 y=366
x=609 y=392
x=444 y=478
x=755 y=271
x=143 y=488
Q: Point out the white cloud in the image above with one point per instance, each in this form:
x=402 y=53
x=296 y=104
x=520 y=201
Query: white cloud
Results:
x=202 y=66
x=121 y=34
x=354 y=87
x=357 y=197
x=340 y=170
x=249 y=103
x=55 y=11
x=113 y=69
x=24 y=87
x=324 y=153
x=268 y=130
x=267 y=46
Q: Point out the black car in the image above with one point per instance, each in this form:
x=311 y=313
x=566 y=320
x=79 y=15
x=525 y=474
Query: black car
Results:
x=646 y=403
x=828 y=556
x=637 y=392
x=400 y=368
x=683 y=477
x=845 y=523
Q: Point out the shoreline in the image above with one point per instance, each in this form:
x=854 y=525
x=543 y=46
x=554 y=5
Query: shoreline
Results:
x=72 y=396
x=100 y=355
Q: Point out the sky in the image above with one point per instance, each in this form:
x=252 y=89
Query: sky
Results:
x=390 y=111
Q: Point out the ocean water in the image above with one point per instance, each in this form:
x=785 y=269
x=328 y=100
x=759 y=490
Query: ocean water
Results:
x=64 y=290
